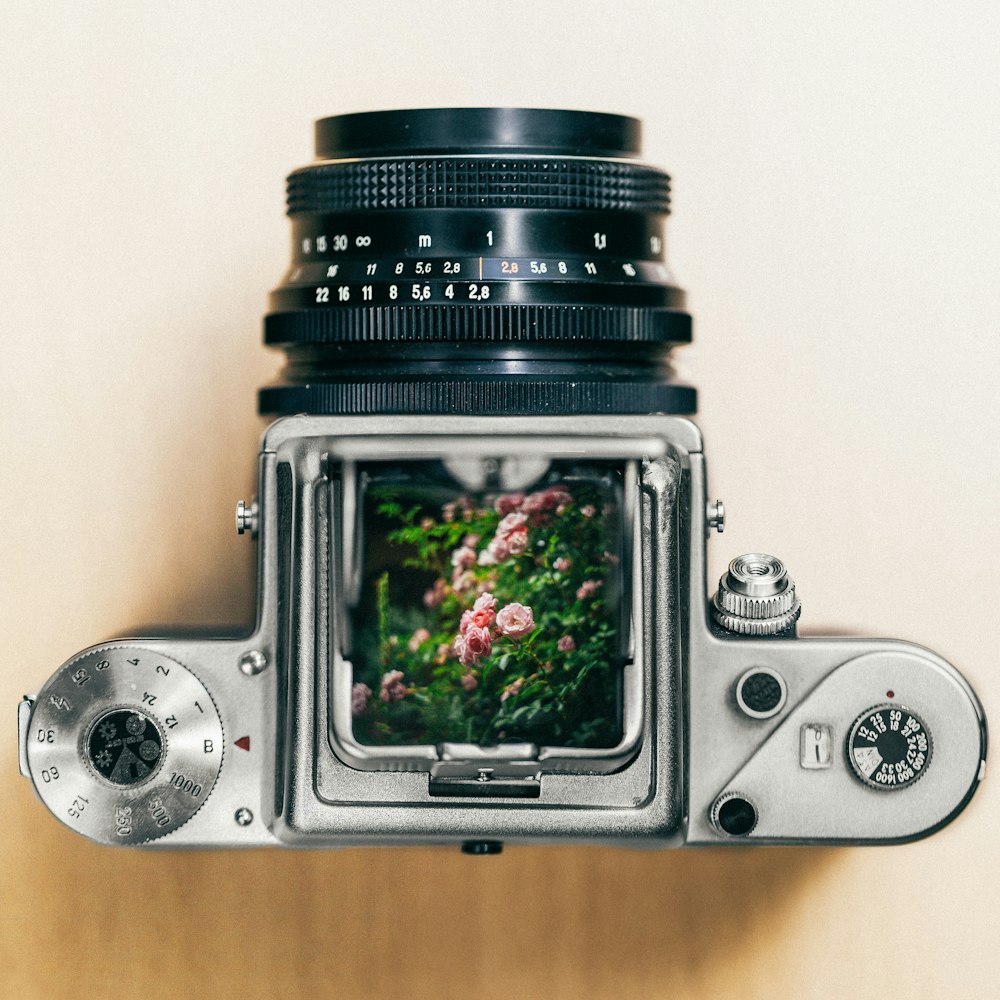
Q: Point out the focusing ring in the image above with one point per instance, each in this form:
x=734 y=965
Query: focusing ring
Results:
x=490 y=324
x=478 y=182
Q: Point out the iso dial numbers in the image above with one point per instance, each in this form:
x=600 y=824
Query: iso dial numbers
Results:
x=124 y=744
x=889 y=747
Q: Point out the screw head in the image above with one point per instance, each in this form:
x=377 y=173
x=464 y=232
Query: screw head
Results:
x=716 y=517
x=243 y=816
x=252 y=662
x=247 y=518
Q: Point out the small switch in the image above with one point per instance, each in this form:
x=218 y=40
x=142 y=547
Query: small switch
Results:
x=815 y=746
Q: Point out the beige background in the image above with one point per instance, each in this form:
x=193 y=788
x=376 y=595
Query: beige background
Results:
x=837 y=225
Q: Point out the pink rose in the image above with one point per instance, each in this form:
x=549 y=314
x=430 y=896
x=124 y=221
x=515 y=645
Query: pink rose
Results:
x=589 y=511
x=463 y=558
x=508 y=503
x=393 y=688
x=448 y=512
x=465 y=622
x=566 y=644
x=484 y=610
x=417 y=639
x=434 y=596
x=360 y=694
x=562 y=564
x=512 y=522
x=463 y=581
x=486 y=558
x=471 y=540
x=498 y=549
x=515 y=620
x=478 y=642
x=426 y=524
x=468 y=682
x=587 y=588
x=517 y=542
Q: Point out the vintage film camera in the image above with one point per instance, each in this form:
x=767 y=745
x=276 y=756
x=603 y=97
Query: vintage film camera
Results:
x=483 y=611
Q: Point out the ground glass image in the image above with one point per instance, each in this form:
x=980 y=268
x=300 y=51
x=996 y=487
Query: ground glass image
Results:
x=489 y=619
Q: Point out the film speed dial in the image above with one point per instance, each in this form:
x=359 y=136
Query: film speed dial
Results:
x=124 y=744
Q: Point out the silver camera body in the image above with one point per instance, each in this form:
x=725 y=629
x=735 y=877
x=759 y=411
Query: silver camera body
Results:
x=483 y=612
x=734 y=730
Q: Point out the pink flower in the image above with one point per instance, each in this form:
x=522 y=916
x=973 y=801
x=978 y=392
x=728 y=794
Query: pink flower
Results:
x=478 y=642
x=562 y=564
x=472 y=644
x=393 y=688
x=468 y=682
x=417 y=639
x=484 y=610
x=498 y=549
x=517 y=542
x=463 y=581
x=486 y=557
x=463 y=558
x=589 y=511
x=508 y=503
x=512 y=522
x=426 y=524
x=448 y=512
x=566 y=644
x=515 y=620
x=587 y=588
x=360 y=694
x=512 y=689
x=434 y=596
x=471 y=540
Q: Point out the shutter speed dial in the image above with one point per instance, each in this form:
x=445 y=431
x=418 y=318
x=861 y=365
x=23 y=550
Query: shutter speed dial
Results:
x=124 y=744
x=889 y=747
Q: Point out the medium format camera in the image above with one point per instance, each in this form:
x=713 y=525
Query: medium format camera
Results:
x=483 y=613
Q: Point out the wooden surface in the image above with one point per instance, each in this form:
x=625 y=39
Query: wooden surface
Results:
x=836 y=223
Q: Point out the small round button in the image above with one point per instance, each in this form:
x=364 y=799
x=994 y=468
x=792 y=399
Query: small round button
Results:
x=734 y=815
x=889 y=747
x=761 y=693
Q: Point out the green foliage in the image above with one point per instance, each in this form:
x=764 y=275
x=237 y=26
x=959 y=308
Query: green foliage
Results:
x=557 y=685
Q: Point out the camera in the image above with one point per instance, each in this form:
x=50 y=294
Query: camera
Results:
x=483 y=609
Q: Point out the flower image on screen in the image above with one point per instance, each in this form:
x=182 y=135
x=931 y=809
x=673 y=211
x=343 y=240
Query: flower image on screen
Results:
x=489 y=618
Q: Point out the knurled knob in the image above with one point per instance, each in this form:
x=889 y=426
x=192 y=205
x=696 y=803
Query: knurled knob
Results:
x=756 y=596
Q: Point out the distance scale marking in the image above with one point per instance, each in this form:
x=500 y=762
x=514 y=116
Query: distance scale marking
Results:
x=124 y=744
x=889 y=747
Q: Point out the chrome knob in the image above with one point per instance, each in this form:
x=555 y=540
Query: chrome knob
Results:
x=756 y=596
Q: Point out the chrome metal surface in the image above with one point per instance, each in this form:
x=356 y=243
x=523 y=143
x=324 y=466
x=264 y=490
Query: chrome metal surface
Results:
x=717 y=516
x=23 y=717
x=285 y=765
x=247 y=517
x=253 y=662
x=756 y=596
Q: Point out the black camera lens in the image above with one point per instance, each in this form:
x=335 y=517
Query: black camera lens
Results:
x=483 y=261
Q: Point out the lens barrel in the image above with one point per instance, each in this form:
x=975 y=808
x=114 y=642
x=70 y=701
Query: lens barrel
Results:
x=480 y=260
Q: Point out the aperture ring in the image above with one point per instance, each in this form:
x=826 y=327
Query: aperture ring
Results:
x=477 y=182
x=490 y=324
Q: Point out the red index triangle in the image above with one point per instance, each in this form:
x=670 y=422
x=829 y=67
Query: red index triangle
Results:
x=243 y=742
